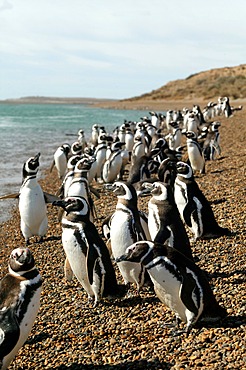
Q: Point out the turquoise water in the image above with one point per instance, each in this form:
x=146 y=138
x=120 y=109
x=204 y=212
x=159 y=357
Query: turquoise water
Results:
x=26 y=129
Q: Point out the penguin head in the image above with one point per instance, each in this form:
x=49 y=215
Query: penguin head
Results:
x=160 y=190
x=21 y=260
x=66 y=148
x=124 y=190
x=84 y=164
x=191 y=135
x=31 y=166
x=76 y=205
x=136 y=252
x=72 y=162
x=76 y=148
x=184 y=170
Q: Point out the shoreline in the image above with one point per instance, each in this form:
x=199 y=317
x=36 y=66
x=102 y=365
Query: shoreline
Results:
x=132 y=333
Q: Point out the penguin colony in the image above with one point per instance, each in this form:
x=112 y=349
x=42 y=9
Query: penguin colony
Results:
x=155 y=245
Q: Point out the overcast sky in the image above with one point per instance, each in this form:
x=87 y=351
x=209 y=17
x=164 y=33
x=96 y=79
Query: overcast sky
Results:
x=114 y=48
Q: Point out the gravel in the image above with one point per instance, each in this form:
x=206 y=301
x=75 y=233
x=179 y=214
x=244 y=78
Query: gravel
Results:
x=133 y=333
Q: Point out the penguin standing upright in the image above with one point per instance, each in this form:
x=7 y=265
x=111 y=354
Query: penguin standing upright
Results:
x=126 y=228
x=32 y=202
x=194 y=208
x=164 y=222
x=178 y=282
x=20 y=293
x=112 y=166
x=211 y=145
x=60 y=159
x=85 y=250
x=195 y=154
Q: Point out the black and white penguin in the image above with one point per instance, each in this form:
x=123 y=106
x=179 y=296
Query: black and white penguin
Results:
x=211 y=144
x=60 y=160
x=113 y=164
x=62 y=191
x=86 y=252
x=194 y=208
x=178 y=282
x=32 y=202
x=194 y=151
x=20 y=293
x=164 y=222
x=126 y=227
x=79 y=185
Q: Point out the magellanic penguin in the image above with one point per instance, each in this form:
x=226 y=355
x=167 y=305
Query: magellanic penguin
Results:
x=86 y=252
x=195 y=154
x=126 y=228
x=20 y=293
x=113 y=164
x=60 y=160
x=32 y=202
x=193 y=206
x=178 y=282
x=164 y=222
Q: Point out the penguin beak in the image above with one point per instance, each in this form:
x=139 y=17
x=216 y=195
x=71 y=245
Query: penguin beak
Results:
x=36 y=158
x=121 y=258
x=59 y=203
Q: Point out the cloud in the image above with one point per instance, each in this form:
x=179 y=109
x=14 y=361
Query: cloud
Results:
x=138 y=43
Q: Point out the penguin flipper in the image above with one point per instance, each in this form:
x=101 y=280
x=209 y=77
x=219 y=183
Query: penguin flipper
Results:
x=95 y=192
x=50 y=198
x=9 y=331
x=52 y=166
x=10 y=196
x=189 y=209
x=92 y=257
x=187 y=287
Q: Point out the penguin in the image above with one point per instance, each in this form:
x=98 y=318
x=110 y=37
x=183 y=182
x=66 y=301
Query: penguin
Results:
x=94 y=134
x=113 y=165
x=60 y=160
x=62 y=191
x=32 y=202
x=175 y=136
x=86 y=252
x=164 y=222
x=195 y=154
x=178 y=282
x=79 y=185
x=211 y=144
x=20 y=292
x=193 y=206
x=127 y=228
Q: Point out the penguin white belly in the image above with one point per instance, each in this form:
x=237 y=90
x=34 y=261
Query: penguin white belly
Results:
x=112 y=169
x=25 y=325
x=92 y=172
x=153 y=220
x=77 y=189
x=121 y=239
x=167 y=288
x=196 y=160
x=76 y=258
x=33 y=212
x=60 y=163
x=180 y=195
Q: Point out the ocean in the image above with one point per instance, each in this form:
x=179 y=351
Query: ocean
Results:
x=26 y=129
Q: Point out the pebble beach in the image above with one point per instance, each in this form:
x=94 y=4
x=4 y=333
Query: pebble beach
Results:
x=134 y=332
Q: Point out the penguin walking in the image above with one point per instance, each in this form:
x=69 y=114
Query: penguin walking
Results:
x=60 y=160
x=178 y=282
x=126 y=228
x=86 y=252
x=20 y=293
x=195 y=154
x=193 y=206
x=164 y=222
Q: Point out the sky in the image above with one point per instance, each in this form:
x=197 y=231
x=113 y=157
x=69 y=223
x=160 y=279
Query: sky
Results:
x=114 y=49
